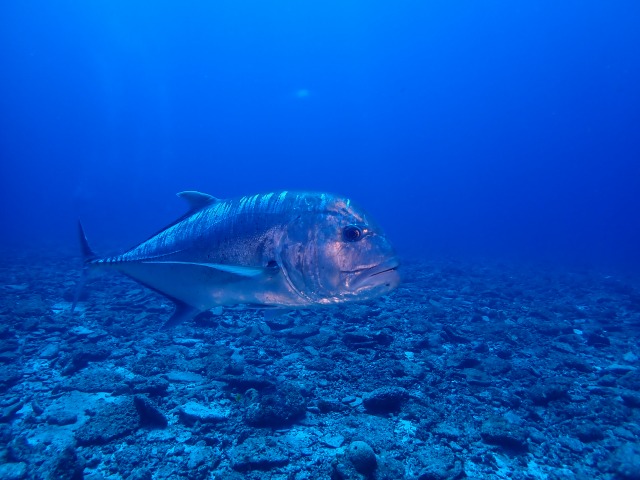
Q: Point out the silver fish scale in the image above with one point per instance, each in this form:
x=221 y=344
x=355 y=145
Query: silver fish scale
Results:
x=248 y=218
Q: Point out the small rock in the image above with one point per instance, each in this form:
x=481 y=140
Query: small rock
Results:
x=192 y=412
x=198 y=456
x=67 y=465
x=301 y=331
x=320 y=340
x=597 y=340
x=631 y=399
x=447 y=430
x=9 y=376
x=463 y=361
x=150 y=416
x=62 y=418
x=13 y=471
x=326 y=405
x=245 y=382
x=477 y=378
x=385 y=399
x=362 y=457
x=184 y=377
x=262 y=453
x=625 y=462
x=278 y=409
x=154 y=386
x=573 y=444
x=618 y=369
x=7 y=413
x=578 y=364
x=359 y=338
x=80 y=331
x=544 y=393
x=50 y=351
x=278 y=322
x=506 y=435
x=312 y=351
x=438 y=462
x=187 y=342
x=496 y=366
x=114 y=420
x=333 y=441
x=589 y=432
x=36 y=407
x=81 y=357
x=452 y=336
x=320 y=364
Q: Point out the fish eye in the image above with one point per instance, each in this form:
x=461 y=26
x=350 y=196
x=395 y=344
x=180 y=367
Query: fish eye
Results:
x=351 y=233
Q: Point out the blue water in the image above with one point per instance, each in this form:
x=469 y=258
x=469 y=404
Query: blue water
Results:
x=466 y=128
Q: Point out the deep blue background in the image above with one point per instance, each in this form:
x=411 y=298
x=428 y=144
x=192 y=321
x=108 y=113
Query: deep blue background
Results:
x=465 y=127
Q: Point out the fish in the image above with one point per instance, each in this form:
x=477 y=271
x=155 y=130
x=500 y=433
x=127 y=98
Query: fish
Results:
x=280 y=250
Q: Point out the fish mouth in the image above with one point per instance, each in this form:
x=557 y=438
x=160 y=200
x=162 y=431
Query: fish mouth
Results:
x=384 y=274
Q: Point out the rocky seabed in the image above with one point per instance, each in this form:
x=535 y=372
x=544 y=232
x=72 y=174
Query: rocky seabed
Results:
x=469 y=370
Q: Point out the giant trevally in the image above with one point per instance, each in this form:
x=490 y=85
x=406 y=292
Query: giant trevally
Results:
x=282 y=250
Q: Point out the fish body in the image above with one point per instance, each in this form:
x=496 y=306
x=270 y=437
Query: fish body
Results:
x=275 y=250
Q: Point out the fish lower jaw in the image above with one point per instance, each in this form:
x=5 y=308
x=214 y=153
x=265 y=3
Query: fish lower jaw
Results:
x=382 y=276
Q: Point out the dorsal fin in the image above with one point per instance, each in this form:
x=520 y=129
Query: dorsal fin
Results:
x=197 y=200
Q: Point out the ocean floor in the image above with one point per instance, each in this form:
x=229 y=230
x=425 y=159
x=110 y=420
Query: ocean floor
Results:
x=469 y=370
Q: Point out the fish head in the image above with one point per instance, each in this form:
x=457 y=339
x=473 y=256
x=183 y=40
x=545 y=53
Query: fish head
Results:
x=337 y=254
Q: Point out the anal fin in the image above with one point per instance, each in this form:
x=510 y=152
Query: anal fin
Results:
x=180 y=314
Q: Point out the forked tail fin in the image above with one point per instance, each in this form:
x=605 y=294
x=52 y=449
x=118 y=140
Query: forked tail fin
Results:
x=87 y=256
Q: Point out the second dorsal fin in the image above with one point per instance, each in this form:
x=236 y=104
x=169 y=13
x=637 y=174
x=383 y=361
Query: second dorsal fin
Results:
x=197 y=200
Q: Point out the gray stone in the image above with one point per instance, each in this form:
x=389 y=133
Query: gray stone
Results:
x=333 y=441
x=544 y=393
x=115 y=420
x=13 y=471
x=199 y=456
x=571 y=443
x=50 y=351
x=187 y=342
x=589 y=432
x=279 y=409
x=80 y=331
x=362 y=457
x=625 y=462
x=150 y=416
x=385 y=399
x=631 y=399
x=510 y=437
x=9 y=376
x=320 y=364
x=7 y=413
x=302 y=331
x=262 y=453
x=62 y=418
x=438 y=462
x=96 y=379
x=192 y=412
x=184 y=377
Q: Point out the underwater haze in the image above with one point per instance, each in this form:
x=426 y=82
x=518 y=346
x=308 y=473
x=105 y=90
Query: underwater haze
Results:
x=465 y=128
x=261 y=327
